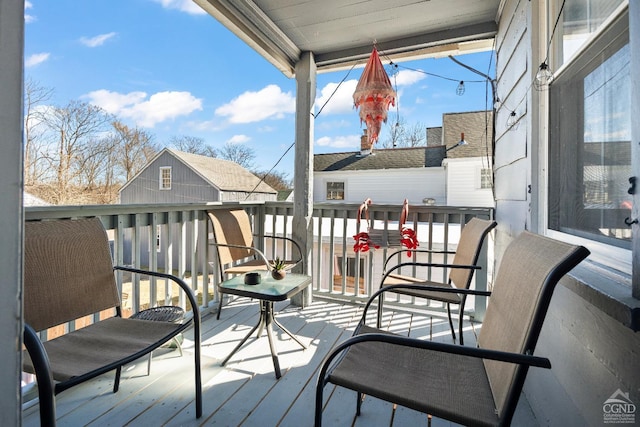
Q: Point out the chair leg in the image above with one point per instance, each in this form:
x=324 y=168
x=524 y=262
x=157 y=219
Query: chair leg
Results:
x=379 y=319
x=359 y=404
x=116 y=382
x=453 y=331
x=460 y=323
x=219 y=306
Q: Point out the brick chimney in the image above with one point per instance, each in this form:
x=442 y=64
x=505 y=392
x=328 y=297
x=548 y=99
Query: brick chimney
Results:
x=365 y=148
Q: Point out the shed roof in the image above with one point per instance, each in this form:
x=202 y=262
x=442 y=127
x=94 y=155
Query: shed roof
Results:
x=224 y=174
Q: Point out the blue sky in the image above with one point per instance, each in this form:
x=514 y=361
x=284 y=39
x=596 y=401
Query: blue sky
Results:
x=169 y=68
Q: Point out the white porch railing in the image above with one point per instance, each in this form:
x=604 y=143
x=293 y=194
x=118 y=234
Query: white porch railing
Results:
x=173 y=239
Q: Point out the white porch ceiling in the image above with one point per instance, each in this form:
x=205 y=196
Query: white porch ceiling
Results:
x=339 y=32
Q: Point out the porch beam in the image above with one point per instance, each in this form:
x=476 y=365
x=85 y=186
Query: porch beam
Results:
x=634 y=44
x=11 y=217
x=303 y=166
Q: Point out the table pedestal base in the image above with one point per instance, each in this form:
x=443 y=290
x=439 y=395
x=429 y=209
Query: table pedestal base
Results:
x=266 y=320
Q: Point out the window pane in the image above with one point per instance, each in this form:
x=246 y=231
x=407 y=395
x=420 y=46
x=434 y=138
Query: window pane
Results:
x=580 y=19
x=335 y=190
x=590 y=147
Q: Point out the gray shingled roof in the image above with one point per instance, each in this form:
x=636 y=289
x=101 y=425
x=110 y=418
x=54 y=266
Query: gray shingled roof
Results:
x=478 y=129
x=392 y=158
x=224 y=174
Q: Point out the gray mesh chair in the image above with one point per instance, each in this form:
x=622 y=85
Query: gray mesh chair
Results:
x=236 y=250
x=467 y=385
x=461 y=270
x=69 y=274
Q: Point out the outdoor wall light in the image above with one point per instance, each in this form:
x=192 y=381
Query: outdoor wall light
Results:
x=461 y=142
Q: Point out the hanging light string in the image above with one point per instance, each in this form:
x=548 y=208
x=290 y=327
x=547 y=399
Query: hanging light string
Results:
x=293 y=143
x=436 y=75
x=546 y=58
x=335 y=90
x=544 y=76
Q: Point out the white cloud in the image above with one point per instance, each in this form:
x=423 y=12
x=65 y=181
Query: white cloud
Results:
x=187 y=6
x=28 y=18
x=409 y=77
x=350 y=141
x=97 y=40
x=267 y=103
x=238 y=139
x=35 y=59
x=341 y=102
x=145 y=112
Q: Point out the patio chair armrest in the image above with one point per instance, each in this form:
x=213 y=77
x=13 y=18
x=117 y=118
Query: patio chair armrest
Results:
x=414 y=251
x=44 y=377
x=502 y=356
x=262 y=256
x=187 y=290
x=420 y=287
x=427 y=264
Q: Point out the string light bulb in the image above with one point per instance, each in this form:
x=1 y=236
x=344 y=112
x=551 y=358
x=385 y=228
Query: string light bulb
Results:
x=544 y=77
x=512 y=120
x=497 y=104
x=460 y=89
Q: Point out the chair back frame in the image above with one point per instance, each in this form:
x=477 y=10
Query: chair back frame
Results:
x=515 y=314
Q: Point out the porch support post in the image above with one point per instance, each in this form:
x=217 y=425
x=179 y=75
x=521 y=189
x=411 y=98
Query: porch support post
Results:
x=634 y=44
x=11 y=217
x=303 y=172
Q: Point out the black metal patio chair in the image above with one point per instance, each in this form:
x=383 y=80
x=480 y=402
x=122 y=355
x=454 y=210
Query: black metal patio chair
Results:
x=467 y=385
x=461 y=271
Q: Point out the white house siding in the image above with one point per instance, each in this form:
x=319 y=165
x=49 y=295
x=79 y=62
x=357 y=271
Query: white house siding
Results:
x=463 y=178
x=593 y=352
x=387 y=186
x=512 y=164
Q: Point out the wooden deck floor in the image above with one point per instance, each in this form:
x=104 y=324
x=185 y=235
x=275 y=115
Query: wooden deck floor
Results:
x=245 y=392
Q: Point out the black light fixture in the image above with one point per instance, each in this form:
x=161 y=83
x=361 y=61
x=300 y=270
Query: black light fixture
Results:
x=461 y=142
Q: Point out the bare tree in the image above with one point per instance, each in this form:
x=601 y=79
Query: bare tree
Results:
x=239 y=153
x=73 y=130
x=276 y=179
x=193 y=145
x=35 y=97
x=415 y=135
x=401 y=134
x=134 y=148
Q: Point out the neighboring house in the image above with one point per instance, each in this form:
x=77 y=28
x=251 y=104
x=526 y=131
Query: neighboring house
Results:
x=174 y=176
x=469 y=172
x=177 y=177
x=442 y=173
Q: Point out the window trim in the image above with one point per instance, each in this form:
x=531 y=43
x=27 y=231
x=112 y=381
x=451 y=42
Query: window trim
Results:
x=326 y=190
x=161 y=178
x=611 y=256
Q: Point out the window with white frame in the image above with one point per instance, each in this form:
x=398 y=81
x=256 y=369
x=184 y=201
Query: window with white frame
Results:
x=335 y=190
x=165 y=178
x=580 y=19
x=486 y=178
x=590 y=137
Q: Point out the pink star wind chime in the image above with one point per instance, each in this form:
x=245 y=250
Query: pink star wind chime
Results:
x=374 y=95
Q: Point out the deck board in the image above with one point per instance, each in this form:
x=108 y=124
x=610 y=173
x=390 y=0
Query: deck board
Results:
x=245 y=392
